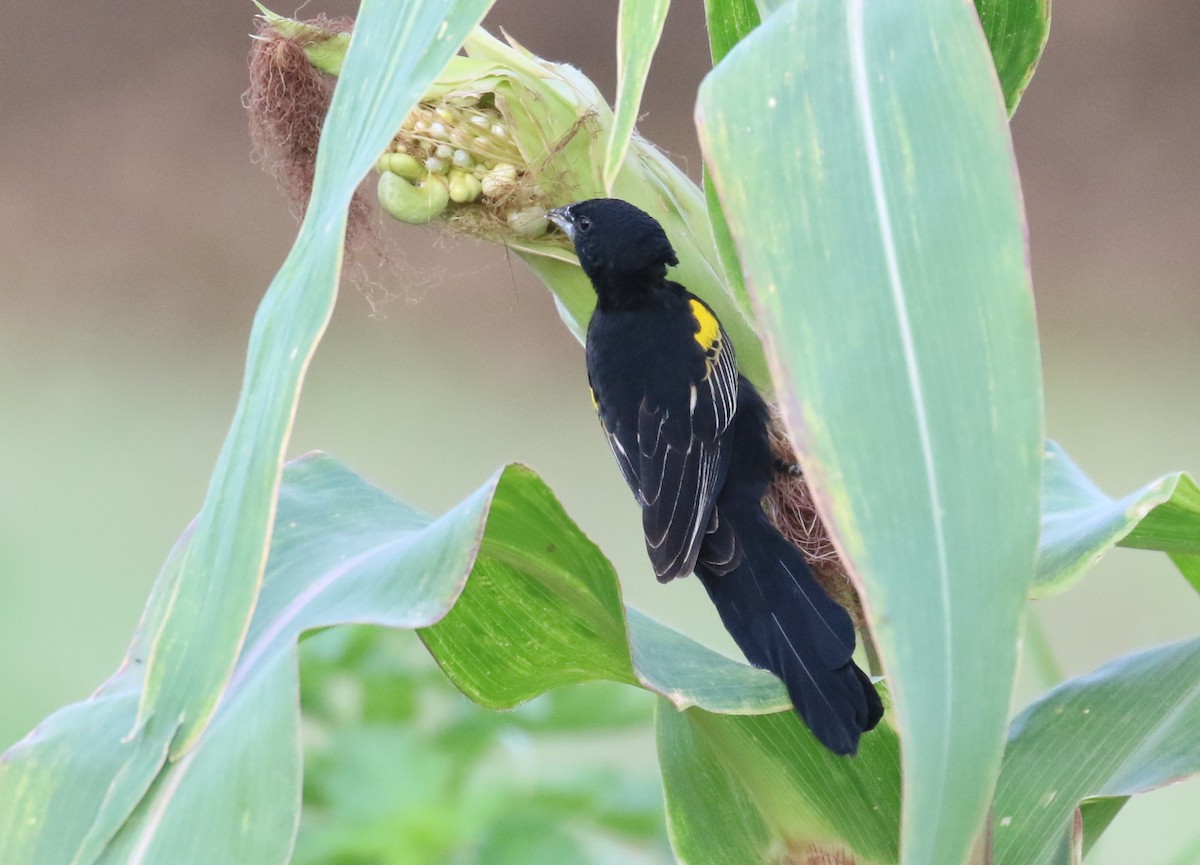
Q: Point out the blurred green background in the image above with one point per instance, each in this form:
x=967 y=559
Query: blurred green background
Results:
x=136 y=238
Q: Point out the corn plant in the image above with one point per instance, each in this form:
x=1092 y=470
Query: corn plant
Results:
x=861 y=233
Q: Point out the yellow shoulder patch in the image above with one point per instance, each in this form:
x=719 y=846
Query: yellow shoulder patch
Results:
x=595 y=402
x=708 y=329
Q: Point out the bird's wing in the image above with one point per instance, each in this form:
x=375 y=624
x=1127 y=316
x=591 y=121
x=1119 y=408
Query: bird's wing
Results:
x=628 y=462
x=683 y=451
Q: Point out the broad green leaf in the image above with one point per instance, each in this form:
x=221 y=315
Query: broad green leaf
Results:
x=728 y=23
x=395 y=52
x=1172 y=525
x=862 y=157
x=687 y=674
x=1096 y=815
x=234 y=797
x=56 y=781
x=542 y=608
x=1080 y=523
x=1127 y=728
x=533 y=604
x=338 y=547
x=1016 y=32
x=639 y=27
x=336 y=551
x=68 y=786
x=741 y=790
x=548 y=612
x=206 y=594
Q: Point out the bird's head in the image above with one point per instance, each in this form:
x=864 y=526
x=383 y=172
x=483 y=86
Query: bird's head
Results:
x=615 y=240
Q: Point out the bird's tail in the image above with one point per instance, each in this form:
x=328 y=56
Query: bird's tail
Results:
x=783 y=620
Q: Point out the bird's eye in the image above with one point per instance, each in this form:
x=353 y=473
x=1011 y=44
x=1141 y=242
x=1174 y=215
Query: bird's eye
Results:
x=583 y=223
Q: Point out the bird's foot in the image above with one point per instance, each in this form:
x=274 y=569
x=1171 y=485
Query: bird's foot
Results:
x=788 y=468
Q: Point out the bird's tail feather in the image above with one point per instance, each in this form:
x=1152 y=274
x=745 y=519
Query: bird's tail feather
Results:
x=785 y=622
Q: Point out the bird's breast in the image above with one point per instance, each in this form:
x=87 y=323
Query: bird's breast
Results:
x=631 y=355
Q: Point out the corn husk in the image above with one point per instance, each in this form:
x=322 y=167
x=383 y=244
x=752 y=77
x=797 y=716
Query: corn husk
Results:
x=511 y=136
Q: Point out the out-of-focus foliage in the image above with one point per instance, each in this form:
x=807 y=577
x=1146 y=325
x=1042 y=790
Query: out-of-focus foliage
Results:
x=400 y=768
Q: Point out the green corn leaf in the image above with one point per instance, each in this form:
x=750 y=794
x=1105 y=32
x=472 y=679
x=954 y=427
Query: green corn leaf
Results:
x=728 y=23
x=739 y=790
x=1096 y=816
x=195 y=627
x=68 y=786
x=852 y=144
x=395 y=53
x=56 y=783
x=334 y=533
x=1080 y=523
x=1127 y=728
x=1016 y=32
x=512 y=600
x=234 y=797
x=639 y=27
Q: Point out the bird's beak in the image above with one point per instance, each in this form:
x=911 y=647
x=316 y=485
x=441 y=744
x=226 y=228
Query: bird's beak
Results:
x=561 y=216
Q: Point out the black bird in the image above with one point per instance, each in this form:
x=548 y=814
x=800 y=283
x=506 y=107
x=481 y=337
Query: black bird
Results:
x=690 y=435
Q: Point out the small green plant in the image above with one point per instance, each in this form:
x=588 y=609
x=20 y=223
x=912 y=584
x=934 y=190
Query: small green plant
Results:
x=861 y=235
